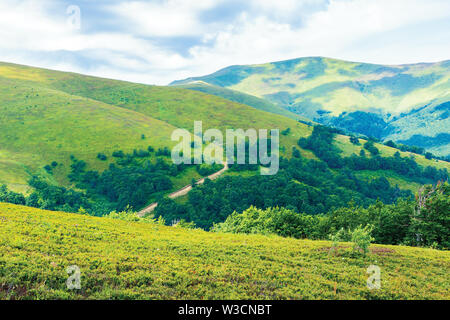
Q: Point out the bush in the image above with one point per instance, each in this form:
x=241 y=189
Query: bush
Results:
x=286 y=132
x=369 y=146
x=354 y=140
x=102 y=157
x=391 y=144
x=279 y=221
x=296 y=153
x=140 y=153
x=361 y=238
x=118 y=154
x=130 y=216
x=341 y=236
x=163 y=152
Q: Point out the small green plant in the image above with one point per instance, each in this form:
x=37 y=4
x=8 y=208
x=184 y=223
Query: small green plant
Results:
x=83 y=211
x=184 y=224
x=341 y=236
x=362 y=238
x=161 y=221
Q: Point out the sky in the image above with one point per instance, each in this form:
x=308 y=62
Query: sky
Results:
x=158 y=41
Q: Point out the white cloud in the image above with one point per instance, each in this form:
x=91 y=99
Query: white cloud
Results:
x=136 y=49
x=163 y=19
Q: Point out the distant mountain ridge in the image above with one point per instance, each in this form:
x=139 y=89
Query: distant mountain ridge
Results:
x=405 y=103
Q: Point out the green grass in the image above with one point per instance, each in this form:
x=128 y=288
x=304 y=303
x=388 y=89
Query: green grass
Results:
x=243 y=98
x=135 y=260
x=40 y=125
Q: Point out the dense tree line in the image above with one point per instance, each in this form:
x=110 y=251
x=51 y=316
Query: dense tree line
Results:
x=423 y=222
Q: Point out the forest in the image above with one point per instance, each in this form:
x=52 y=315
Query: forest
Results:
x=421 y=222
x=302 y=185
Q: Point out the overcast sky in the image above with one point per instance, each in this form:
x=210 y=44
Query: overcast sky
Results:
x=158 y=41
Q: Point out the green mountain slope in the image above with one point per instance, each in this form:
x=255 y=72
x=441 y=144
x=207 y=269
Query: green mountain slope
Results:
x=240 y=97
x=39 y=125
x=331 y=91
x=48 y=115
x=136 y=260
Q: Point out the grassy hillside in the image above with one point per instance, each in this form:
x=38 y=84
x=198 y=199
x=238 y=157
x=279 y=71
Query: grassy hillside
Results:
x=39 y=125
x=323 y=89
x=240 y=97
x=135 y=260
x=49 y=115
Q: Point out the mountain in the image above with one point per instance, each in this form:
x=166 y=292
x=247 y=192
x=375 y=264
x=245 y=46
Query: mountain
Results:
x=137 y=260
x=404 y=103
x=50 y=117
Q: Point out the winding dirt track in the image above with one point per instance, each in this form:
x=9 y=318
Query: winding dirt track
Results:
x=183 y=191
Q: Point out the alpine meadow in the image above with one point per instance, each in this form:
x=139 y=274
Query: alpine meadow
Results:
x=309 y=178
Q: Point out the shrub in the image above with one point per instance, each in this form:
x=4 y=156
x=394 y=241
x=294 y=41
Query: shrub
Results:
x=141 y=153
x=361 y=238
x=286 y=132
x=128 y=215
x=354 y=140
x=184 y=224
x=118 y=154
x=369 y=146
x=339 y=236
x=163 y=152
x=102 y=157
x=296 y=153
x=391 y=144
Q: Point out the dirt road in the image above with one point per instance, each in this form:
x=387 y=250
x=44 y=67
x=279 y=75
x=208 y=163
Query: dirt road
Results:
x=183 y=191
